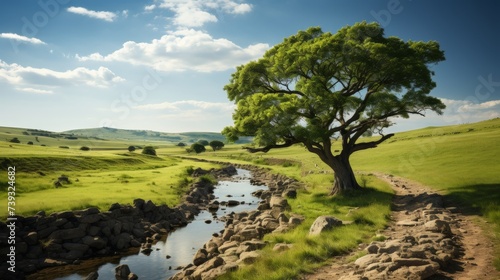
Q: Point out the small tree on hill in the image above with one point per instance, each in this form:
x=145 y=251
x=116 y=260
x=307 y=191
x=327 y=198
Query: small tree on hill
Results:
x=85 y=148
x=198 y=148
x=131 y=148
x=15 y=140
x=149 y=150
x=216 y=145
x=180 y=144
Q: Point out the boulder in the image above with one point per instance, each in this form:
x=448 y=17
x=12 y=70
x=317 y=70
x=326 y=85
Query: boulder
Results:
x=200 y=257
x=121 y=272
x=323 y=223
x=249 y=257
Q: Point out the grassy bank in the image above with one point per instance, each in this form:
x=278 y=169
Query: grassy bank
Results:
x=94 y=178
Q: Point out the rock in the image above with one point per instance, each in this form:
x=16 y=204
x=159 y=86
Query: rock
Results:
x=94 y=242
x=438 y=226
x=200 y=257
x=372 y=248
x=323 y=223
x=249 y=257
x=289 y=193
x=31 y=238
x=233 y=203
x=122 y=272
x=132 y=276
x=424 y=271
x=66 y=234
x=280 y=247
x=366 y=260
x=89 y=219
x=278 y=201
x=228 y=245
x=92 y=276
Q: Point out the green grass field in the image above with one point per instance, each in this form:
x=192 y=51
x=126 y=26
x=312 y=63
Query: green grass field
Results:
x=97 y=178
x=459 y=161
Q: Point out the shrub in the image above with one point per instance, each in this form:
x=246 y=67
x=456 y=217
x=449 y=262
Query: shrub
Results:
x=131 y=148
x=149 y=150
x=30 y=143
x=198 y=148
x=64 y=147
x=85 y=148
x=15 y=140
x=180 y=144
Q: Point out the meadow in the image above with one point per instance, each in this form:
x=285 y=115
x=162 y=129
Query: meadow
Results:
x=461 y=162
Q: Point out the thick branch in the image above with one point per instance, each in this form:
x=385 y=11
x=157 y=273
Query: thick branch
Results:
x=368 y=145
x=266 y=149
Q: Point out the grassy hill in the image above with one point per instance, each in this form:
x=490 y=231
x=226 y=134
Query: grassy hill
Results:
x=148 y=135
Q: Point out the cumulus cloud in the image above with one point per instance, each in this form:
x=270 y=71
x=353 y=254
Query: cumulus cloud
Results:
x=103 y=15
x=466 y=111
x=183 y=50
x=23 y=39
x=29 y=77
x=195 y=13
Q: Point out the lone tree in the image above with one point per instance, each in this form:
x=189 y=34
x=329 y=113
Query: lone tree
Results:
x=216 y=145
x=316 y=88
x=131 y=148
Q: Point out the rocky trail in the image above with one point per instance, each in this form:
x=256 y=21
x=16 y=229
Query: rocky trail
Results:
x=427 y=238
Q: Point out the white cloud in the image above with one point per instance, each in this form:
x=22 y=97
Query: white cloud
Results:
x=30 y=77
x=456 y=112
x=183 y=50
x=103 y=15
x=149 y=8
x=24 y=39
x=195 y=13
x=467 y=111
x=35 y=90
x=184 y=105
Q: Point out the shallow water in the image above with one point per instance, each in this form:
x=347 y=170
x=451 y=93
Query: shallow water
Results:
x=182 y=244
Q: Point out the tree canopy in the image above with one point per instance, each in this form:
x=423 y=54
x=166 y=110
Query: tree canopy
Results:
x=316 y=87
x=216 y=145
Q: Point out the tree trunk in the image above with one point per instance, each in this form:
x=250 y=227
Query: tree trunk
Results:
x=344 y=176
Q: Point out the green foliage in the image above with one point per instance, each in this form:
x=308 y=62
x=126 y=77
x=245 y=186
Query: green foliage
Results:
x=197 y=148
x=208 y=178
x=63 y=147
x=203 y=142
x=30 y=143
x=85 y=148
x=216 y=145
x=149 y=150
x=15 y=140
x=316 y=86
x=180 y=144
x=131 y=148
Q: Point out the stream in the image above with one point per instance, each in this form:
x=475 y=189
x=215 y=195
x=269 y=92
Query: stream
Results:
x=181 y=245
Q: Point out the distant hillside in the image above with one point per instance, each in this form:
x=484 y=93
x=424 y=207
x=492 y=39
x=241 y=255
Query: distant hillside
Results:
x=147 y=135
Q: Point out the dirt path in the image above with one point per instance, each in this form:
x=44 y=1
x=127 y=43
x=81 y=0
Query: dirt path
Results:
x=473 y=258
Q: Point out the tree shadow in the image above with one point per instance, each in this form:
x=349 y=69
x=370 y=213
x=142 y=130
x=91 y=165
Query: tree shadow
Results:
x=358 y=198
x=480 y=199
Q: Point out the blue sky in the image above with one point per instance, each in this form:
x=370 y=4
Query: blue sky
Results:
x=161 y=64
